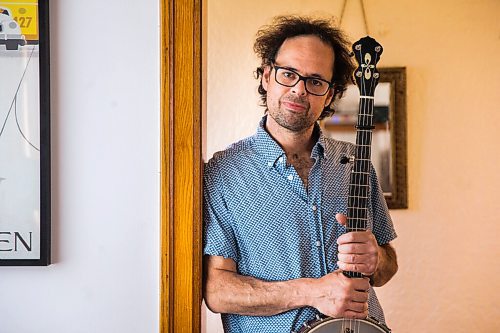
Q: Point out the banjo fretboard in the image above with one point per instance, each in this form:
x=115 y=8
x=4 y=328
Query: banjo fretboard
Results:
x=367 y=52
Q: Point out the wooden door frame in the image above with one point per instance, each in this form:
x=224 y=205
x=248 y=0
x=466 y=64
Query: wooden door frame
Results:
x=181 y=167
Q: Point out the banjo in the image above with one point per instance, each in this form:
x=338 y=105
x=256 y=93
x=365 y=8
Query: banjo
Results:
x=367 y=53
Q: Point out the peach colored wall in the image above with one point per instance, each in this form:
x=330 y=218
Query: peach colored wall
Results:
x=448 y=238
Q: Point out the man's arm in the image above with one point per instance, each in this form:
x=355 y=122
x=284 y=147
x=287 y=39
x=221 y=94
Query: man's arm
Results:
x=335 y=295
x=387 y=265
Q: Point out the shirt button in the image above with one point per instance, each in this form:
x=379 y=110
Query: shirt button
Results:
x=269 y=164
x=314 y=207
x=290 y=177
x=318 y=243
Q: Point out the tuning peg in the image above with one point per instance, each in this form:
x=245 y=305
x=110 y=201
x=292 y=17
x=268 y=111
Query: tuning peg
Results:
x=344 y=159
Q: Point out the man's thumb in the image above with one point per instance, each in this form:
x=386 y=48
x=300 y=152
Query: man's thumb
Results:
x=341 y=218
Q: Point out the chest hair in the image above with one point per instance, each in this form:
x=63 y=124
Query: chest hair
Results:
x=302 y=165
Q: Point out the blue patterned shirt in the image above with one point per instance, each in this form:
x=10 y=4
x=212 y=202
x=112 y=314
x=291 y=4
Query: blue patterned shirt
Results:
x=258 y=213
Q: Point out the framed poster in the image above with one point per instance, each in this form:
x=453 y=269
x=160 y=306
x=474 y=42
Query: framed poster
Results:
x=24 y=133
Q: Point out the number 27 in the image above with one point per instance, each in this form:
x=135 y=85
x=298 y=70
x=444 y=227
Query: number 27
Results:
x=24 y=22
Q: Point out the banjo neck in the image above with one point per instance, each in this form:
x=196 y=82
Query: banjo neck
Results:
x=367 y=52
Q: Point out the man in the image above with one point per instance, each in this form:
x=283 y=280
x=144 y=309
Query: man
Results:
x=274 y=243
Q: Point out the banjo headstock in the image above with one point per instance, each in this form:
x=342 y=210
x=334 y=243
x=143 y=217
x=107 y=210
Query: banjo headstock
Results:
x=367 y=52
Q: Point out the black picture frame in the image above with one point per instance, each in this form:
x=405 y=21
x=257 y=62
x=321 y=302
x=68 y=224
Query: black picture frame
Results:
x=43 y=230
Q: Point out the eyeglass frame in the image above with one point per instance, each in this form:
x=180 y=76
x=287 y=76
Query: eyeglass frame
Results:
x=301 y=78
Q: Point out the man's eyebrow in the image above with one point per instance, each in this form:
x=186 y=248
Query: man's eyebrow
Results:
x=319 y=76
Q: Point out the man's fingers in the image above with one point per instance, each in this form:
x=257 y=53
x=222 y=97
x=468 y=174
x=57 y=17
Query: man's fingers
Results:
x=359 y=268
x=356 y=237
x=360 y=284
x=356 y=248
x=360 y=297
x=355 y=315
x=353 y=258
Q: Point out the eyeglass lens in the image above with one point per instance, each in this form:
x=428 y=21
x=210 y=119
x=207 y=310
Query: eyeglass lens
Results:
x=290 y=78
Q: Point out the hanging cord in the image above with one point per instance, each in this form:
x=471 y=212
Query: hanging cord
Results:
x=364 y=17
x=365 y=21
x=342 y=13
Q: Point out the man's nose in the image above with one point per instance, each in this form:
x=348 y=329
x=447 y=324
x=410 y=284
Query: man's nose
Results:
x=300 y=88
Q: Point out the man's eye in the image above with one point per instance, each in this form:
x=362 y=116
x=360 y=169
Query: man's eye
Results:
x=317 y=83
x=289 y=75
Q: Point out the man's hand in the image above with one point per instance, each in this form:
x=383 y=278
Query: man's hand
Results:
x=338 y=296
x=358 y=251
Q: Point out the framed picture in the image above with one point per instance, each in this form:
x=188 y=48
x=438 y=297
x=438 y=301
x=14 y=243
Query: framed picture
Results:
x=24 y=133
x=389 y=135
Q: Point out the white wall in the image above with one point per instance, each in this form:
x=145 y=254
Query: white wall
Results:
x=105 y=171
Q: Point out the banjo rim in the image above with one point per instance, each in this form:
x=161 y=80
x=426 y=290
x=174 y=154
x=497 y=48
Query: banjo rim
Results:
x=311 y=326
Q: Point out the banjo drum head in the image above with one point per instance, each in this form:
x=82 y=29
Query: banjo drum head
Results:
x=340 y=325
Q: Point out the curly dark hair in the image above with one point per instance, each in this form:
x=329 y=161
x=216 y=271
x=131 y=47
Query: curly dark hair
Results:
x=271 y=37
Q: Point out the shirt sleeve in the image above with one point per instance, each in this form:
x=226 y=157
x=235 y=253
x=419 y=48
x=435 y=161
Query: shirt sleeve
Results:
x=218 y=236
x=383 y=228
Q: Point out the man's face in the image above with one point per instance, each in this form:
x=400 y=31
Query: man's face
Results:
x=294 y=108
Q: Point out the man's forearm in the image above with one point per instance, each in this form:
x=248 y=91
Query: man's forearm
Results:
x=387 y=267
x=229 y=292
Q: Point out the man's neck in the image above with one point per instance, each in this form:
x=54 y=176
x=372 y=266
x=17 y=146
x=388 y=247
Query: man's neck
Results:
x=293 y=143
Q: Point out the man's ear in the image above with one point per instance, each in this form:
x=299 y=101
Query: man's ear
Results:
x=265 y=77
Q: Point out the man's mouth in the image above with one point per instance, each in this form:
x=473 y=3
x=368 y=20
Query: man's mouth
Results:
x=294 y=106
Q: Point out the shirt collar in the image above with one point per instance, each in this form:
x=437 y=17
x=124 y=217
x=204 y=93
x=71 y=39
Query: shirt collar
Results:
x=271 y=151
x=265 y=145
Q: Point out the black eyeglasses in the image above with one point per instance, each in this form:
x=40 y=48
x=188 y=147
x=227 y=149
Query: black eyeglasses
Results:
x=289 y=78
